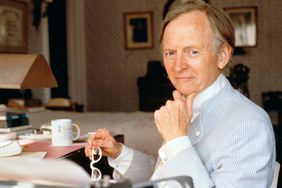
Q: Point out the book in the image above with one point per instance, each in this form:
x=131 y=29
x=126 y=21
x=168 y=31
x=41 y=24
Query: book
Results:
x=17 y=119
x=45 y=173
x=3 y=123
x=25 y=131
x=4 y=136
x=13 y=119
x=16 y=128
x=3 y=115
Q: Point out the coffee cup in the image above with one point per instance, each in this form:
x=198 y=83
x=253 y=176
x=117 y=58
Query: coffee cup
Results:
x=62 y=132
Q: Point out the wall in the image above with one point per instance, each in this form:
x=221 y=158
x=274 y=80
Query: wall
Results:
x=265 y=60
x=38 y=43
x=112 y=71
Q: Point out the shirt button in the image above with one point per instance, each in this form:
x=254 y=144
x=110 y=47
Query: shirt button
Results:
x=197 y=133
x=164 y=159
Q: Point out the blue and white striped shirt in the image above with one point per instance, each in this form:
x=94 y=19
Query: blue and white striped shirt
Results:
x=230 y=143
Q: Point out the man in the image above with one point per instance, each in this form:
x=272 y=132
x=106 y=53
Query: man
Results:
x=211 y=132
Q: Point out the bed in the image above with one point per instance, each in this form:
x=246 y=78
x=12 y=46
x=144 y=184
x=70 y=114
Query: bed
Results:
x=137 y=127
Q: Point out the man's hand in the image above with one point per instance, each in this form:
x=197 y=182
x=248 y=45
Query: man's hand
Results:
x=103 y=139
x=173 y=119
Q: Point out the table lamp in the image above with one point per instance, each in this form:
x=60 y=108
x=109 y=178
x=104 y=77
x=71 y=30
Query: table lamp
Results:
x=25 y=71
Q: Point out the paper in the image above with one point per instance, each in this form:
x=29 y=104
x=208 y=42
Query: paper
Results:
x=44 y=172
x=10 y=148
x=33 y=136
x=30 y=155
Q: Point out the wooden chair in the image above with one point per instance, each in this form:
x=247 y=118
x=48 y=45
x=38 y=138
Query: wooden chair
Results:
x=276 y=175
x=272 y=103
x=154 y=88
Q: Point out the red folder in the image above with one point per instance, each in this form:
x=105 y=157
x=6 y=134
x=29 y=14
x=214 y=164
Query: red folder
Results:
x=53 y=152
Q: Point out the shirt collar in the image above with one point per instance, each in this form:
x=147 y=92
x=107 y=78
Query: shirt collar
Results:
x=206 y=94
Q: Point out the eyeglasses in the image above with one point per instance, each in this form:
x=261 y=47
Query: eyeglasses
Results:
x=96 y=156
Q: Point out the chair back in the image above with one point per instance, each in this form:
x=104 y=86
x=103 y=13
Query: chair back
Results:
x=276 y=175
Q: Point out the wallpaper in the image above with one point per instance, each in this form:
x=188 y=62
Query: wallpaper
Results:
x=112 y=70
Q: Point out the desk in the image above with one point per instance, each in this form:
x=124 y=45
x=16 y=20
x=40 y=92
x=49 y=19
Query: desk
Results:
x=53 y=152
x=74 y=153
x=50 y=173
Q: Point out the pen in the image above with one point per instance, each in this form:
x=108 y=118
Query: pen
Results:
x=91 y=132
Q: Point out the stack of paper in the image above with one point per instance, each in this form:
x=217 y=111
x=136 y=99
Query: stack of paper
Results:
x=4 y=136
x=44 y=172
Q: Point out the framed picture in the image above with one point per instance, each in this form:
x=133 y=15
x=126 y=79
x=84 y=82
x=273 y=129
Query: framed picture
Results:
x=13 y=27
x=138 y=30
x=244 y=20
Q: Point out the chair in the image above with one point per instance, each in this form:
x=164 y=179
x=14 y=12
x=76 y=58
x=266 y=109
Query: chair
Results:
x=272 y=103
x=154 y=88
x=276 y=175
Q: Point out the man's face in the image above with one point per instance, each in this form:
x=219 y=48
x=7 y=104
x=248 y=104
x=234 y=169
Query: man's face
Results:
x=189 y=53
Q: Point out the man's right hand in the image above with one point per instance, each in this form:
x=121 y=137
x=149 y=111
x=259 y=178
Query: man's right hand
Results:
x=103 y=139
x=173 y=119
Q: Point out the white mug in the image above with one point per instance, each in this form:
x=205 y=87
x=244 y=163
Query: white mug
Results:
x=62 y=132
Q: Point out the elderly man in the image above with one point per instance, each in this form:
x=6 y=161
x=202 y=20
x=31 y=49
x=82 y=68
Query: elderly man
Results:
x=211 y=132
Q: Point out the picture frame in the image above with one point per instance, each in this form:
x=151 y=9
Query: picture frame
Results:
x=138 y=30
x=244 y=20
x=13 y=26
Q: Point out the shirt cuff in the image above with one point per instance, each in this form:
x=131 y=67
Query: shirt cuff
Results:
x=173 y=147
x=123 y=161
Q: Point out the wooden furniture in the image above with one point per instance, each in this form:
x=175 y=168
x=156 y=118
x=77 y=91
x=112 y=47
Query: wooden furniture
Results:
x=154 y=88
x=272 y=103
x=276 y=175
